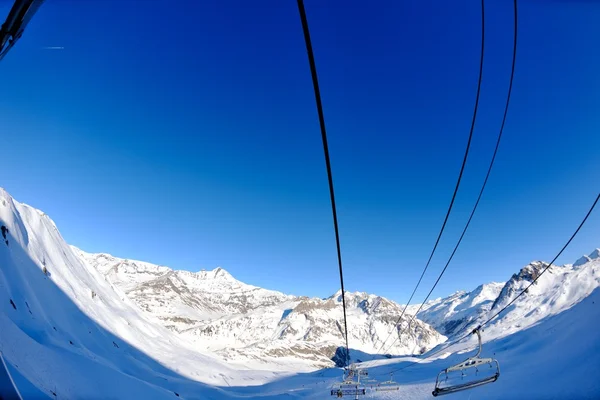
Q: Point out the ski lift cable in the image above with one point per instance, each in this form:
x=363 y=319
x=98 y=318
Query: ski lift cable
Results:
x=510 y=85
x=462 y=168
x=513 y=300
x=440 y=350
x=447 y=345
x=313 y=70
x=548 y=266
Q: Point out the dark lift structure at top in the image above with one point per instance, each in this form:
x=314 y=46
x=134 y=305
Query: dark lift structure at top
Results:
x=12 y=29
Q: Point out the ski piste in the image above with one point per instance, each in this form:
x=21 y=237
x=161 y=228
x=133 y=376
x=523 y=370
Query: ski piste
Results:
x=8 y=388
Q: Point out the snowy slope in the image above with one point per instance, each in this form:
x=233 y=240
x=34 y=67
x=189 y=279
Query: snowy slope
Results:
x=247 y=324
x=312 y=330
x=181 y=299
x=73 y=329
x=452 y=314
x=557 y=290
x=555 y=359
x=72 y=333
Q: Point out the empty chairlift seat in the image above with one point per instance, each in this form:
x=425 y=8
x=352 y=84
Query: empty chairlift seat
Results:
x=388 y=386
x=350 y=384
x=472 y=372
x=348 y=388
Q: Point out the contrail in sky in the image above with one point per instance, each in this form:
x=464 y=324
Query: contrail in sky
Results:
x=54 y=48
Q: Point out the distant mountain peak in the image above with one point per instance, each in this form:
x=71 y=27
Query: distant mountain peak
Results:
x=531 y=271
x=357 y=296
x=220 y=273
x=210 y=310
x=582 y=260
x=585 y=259
x=219 y=313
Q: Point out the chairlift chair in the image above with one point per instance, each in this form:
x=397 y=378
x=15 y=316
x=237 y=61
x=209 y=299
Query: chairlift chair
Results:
x=387 y=386
x=470 y=364
x=348 y=388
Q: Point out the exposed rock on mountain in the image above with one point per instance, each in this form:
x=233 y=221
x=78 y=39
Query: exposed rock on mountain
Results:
x=219 y=313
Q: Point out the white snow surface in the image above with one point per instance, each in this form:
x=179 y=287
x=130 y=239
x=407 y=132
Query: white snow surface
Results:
x=556 y=358
x=557 y=290
x=76 y=332
x=246 y=324
x=450 y=315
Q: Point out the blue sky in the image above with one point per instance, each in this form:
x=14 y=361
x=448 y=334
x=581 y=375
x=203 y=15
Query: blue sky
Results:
x=188 y=136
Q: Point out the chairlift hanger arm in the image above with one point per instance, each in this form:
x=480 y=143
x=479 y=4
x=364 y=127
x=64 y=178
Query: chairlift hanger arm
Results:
x=474 y=360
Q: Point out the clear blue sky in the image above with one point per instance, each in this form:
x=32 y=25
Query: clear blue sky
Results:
x=187 y=136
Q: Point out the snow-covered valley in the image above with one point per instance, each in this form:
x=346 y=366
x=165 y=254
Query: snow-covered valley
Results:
x=75 y=325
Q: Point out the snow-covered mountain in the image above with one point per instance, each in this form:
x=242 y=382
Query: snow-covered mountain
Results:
x=64 y=325
x=555 y=358
x=450 y=315
x=72 y=326
x=240 y=321
x=557 y=290
x=182 y=299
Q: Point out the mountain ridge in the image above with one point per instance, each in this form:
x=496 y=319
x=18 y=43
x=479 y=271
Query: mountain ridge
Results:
x=224 y=315
x=213 y=311
x=561 y=287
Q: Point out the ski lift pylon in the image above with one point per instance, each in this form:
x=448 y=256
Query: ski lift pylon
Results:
x=469 y=364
